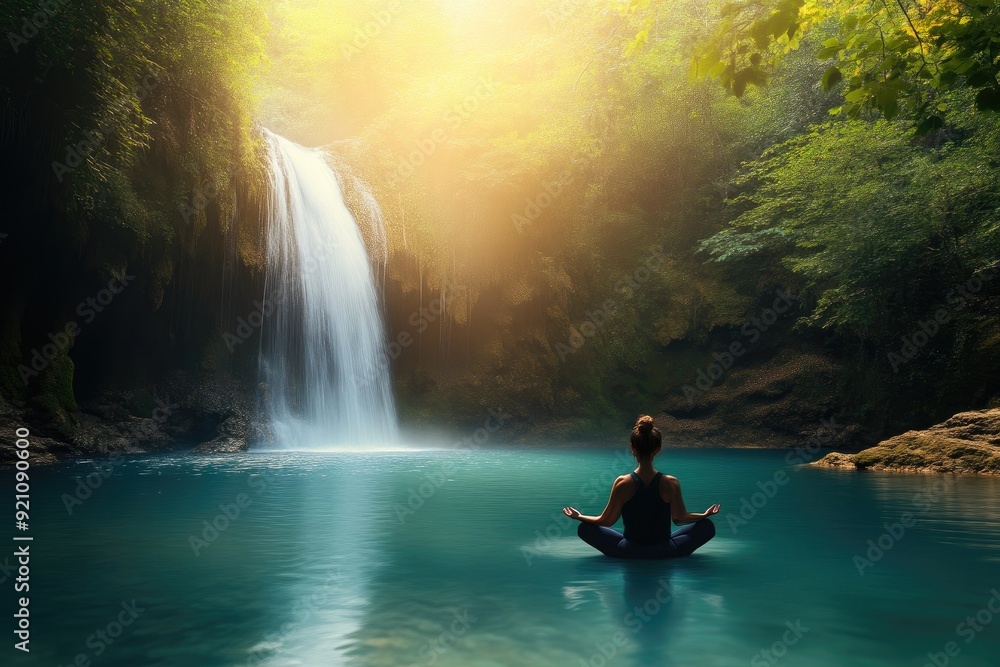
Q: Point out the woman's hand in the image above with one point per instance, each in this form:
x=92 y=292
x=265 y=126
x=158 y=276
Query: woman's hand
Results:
x=713 y=510
x=572 y=513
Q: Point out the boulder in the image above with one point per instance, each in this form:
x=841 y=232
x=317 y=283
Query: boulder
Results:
x=967 y=443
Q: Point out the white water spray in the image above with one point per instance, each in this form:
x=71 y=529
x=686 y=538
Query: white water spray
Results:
x=323 y=359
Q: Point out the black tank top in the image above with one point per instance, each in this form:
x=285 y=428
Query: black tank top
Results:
x=646 y=515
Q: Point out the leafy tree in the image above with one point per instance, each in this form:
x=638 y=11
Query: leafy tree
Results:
x=897 y=57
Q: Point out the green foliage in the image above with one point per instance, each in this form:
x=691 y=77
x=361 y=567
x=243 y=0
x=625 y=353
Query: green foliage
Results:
x=838 y=209
x=144 y=102
x=533 y=154
x=865 y=215
x=894 y=58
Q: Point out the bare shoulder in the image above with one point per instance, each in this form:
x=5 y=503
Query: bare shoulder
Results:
x=668 y=486
x=623 y=480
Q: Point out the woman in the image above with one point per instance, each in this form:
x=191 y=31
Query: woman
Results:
x=646 y=500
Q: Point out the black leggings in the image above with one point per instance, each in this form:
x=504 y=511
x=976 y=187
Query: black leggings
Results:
x=682 y=542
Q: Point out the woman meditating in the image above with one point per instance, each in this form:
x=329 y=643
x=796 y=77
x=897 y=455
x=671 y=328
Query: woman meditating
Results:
x=647 y=500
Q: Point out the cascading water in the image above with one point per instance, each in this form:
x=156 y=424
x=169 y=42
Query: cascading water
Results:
x=325 y=373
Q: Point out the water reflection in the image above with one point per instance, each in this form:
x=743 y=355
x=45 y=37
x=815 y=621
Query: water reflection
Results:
x=323 y=570
x=325 y=584
x=958 y=509
x=641 y=605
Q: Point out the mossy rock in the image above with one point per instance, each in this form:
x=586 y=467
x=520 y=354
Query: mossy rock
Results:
x=962 y=444
x=55 y=398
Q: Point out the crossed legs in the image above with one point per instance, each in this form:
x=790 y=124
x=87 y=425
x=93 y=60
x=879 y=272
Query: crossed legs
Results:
x=683 y=541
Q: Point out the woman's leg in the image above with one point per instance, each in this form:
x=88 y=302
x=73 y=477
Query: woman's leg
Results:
x=683 y=541
x=605 y=540
x=686 y=539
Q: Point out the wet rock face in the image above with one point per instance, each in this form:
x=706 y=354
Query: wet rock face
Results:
x=786 y=401
x=969 y=442
x=224 y=444
x=236 y=432
x=199 y=412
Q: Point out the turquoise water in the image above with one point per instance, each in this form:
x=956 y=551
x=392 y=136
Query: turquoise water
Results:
x=328 y=564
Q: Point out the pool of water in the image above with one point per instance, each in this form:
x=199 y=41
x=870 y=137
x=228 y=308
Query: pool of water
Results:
x=463 y=558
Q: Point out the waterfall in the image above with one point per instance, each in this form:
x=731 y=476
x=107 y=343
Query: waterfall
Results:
x=323 y=365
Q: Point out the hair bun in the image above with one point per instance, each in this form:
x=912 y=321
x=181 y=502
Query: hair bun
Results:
x=644 y=424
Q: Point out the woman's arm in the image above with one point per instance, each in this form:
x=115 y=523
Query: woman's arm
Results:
x=613 y=510
x=678 y=512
